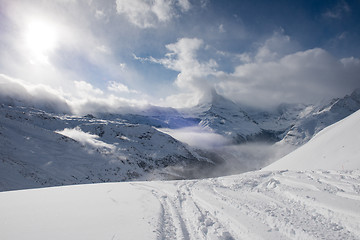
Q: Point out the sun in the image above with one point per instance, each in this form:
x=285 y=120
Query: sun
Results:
x=40 y=39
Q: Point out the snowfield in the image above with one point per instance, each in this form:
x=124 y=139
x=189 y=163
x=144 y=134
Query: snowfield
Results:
x=309 y=202
x=336 y=147
x=255 y=205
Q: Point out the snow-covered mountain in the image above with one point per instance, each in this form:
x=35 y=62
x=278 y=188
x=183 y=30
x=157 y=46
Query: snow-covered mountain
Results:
x=312 y=202
x=47 y=149
x=314 y=118
x=306 y=204
x=41 y=149
x=216 y=114
x=293 y=124
x=226 y=118
x=336 y=147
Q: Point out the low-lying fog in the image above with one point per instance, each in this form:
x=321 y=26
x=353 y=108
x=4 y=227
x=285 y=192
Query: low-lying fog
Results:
x=230 y=158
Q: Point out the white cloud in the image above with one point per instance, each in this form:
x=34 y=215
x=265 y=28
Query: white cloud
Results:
x=122 y=66
x=196 y=78
x=75 y=50
x=221 y=28
x=184 y=5
x=119 y=87
x=85 y=138
x=148 y=13
x=338 y=11
x=204 y=3
x=106 y=104
x=198 y=137
x=275 y=73
x=103 y=49
x=275 y=47
x=17 y=92
x=304 y=76
x=183 y=99
x=85 y=89
x=99 y=14
x=83 y=99
x=244 y=57
x=350 y=62
x=85 y=48
x=194 y=75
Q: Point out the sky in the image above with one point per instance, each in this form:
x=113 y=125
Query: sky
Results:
x=91 y=55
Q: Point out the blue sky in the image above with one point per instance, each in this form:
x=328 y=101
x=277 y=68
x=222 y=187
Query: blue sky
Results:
x=92 y=54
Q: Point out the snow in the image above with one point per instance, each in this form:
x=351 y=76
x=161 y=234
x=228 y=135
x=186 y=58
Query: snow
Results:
x=306 y=204
x=317 y=198
x=226 y=118
x=336 y=147
x=255 y=205
x=40 y=149
x=314 y=118
x=106 y=211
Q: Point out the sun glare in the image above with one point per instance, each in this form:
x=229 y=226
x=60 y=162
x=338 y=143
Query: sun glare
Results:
x=41 y=39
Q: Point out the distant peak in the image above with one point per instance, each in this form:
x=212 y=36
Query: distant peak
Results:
x=215 y=100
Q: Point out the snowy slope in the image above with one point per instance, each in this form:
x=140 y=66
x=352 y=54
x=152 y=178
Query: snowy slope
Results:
x=40 y=149
x=256 y=205
x=314 y=118
x=335 y=147
x=279 y=119
x=228 y=119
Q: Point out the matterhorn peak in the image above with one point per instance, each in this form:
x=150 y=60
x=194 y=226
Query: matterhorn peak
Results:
x=214 y=99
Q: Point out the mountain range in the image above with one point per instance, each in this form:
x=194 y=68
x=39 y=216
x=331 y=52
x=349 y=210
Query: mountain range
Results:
x=42 y=148
x=318 y=198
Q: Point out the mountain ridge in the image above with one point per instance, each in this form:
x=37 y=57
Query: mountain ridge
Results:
x=336 y=147
x=41 y=149
x=123 y=147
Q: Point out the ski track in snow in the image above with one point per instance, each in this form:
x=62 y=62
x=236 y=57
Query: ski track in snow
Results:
x=261 y=205
x=256 y=205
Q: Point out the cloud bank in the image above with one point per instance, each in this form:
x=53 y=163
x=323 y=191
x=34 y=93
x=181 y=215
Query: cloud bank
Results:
x=16 y=92
x=198 y=137
x=195 y=76
x=273 y=74
x=84 y=99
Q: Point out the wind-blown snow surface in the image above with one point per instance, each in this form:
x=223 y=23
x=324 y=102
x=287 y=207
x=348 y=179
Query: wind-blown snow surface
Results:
x=255 y=205
x=336 y=147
